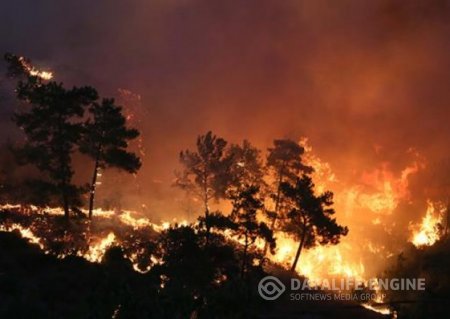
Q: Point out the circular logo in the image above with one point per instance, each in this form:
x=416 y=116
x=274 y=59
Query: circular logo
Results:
x=270 y=288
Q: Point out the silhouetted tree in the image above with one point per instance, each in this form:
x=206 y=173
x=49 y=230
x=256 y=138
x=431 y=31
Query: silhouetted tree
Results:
x=51 y=129
x=192 y=270
x=447 y=219
x=284 y=162
x=246 y=226
x=310 y=219
x=205 y=170
x=16 y=66
x=430 y=262
x=105 y=139
x=8 y=166
x=246 y=168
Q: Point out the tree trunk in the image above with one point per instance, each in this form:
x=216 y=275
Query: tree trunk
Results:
x=65 y=202
x=205 y=202
x=92 y=192
x=208 y=226
x=64 y=170
x=447 y=224
x=244 y=258
x=94 y=183
x=277 y=205
x=299 y=250
x=65 y=199
x=205 y=194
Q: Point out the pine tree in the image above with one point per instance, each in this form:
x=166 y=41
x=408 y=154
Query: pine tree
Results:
x=310 y=219
x=246 y=168
x=105 y=139
x=52 y=128
x=206 y=169
x=285 y=164
x=246 y=204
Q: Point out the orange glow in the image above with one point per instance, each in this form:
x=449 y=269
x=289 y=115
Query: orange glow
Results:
x=378 y=192
x=24 y=232
x=323 y=175
x=97 y=245
x=380 y=309
x=97 y=250
x=319 y=262
x=429 y=230
x=388 y=190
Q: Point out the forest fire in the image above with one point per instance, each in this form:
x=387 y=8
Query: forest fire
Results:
x=319 y=262
x=202 y=159
x=344 y=260
x=378 y=192
x=316 y=263
x=431 y=228
x=97 y=243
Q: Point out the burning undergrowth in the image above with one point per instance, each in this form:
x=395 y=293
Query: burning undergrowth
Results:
x=82 y=237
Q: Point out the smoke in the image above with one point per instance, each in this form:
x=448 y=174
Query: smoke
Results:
x=366 y=82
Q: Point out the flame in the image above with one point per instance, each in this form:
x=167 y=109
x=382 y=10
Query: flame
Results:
x=379 y=191
x=44 y=75
x=387 y=190
x=365 y=200
x=319 y=262
x=98 y=244
x=316 y=263
x=322 y=261
x=96 y=251
x=376 y=191
x=323 y=175
x=127 y=218
x=429 y=231
x=380 y=309
x=24 y=232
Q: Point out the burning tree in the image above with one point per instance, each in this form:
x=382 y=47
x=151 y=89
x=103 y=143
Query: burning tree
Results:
x=51 y=128
x=310 y=218
x=105 y=140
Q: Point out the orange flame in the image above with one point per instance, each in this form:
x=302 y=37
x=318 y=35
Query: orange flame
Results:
x=429 y=231
x=96 y=251
x=45 y=75
x=319 y=262
x=24 y=232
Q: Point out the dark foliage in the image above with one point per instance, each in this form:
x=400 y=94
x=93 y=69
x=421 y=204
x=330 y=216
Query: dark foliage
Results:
x=247 y=229
x=432 y=264
x=51 y=129
x=105 y=139
x=206 y=169
x=193 y=279
x=285 y=164
x=311 y=218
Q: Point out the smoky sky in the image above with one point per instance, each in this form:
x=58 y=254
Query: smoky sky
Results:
x=365 y=81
